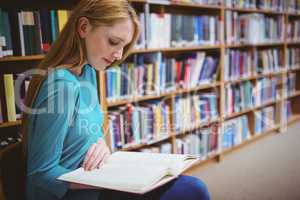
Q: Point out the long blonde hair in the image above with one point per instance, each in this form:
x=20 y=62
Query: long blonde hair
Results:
x=98 y=12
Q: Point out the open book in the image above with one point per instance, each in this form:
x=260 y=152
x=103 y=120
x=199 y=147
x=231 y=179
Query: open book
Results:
x=134 y=172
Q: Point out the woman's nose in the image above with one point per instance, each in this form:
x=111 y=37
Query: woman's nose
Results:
x=118 y=54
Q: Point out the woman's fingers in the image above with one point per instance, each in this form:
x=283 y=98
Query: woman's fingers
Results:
x=88 y=156
x=96 y=156
x=104 y=160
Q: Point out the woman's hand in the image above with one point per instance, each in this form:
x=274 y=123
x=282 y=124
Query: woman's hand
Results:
x=96 y=156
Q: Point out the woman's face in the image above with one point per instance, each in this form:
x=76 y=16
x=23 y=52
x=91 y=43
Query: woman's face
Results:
x=105 y=44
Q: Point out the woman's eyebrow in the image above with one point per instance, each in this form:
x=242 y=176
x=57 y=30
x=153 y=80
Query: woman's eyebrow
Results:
x=119 y=38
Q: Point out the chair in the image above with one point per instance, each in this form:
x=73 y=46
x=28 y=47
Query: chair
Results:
x=12 y=173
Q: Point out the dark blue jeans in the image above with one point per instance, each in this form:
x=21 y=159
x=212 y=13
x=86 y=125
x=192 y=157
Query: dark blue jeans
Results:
x=182 y=188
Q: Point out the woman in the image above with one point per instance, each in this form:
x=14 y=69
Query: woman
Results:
x=61 y=131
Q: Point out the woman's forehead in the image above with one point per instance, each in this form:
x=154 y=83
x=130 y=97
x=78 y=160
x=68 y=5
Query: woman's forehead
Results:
x=123 y=30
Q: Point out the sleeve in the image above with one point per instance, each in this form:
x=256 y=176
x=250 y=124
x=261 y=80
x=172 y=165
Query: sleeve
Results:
x=54 y=107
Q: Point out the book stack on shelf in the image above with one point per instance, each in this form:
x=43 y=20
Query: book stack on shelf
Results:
x=264 y=119
x=292 y=60
x=201 y=142
x=253 y=28
x=192 y=111
x=235 y=131
x=153 y=74
x=14 y=89
x=132 y=125
x=231 y=62
x=292 y=6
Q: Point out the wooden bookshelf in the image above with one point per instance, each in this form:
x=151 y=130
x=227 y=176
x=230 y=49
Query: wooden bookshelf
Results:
x=114 y=103
x=220 y=47
x=8 y=148
x=243 y=45
x=10 y=124
x=251 y=109
x=294 y=118
x=197 y=126
x=272 y=74
x=135 y=51
x=253 y=138
x=296 y=94
x=21 y=58
x=252 y=10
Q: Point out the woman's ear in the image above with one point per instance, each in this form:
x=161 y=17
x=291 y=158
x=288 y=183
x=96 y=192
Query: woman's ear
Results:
x=83 y=27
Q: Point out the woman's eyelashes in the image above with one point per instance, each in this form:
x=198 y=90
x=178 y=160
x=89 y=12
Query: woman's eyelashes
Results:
x=113 y=42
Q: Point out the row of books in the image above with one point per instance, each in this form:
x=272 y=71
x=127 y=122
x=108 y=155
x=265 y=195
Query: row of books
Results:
x=191 y=111
x=235 y=131
x=293 y=58
x=293 y=30
x=181 y=30
x=5 y=38
x=253 y=28
x=292 y=6
x=264 y=119
x=290 y=84
x=246 y=95
x=207 y=141
x=25 y=33
x=14 y=88
x=268 y=61
x=30 y=32
x=153 y=74
x=201 y=2
x=245 y=63
x=274 y=5
x=201 y=142
x=136 y=124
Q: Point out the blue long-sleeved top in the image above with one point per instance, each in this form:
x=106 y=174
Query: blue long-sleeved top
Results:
x=67 y=120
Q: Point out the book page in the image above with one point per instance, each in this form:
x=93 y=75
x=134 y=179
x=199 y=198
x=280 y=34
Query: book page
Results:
x=128 y=178
x=175 y=162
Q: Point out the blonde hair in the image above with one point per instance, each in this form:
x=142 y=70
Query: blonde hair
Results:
x=98 y=12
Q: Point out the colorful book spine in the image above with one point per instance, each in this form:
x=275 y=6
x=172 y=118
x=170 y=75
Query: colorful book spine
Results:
x=201 y=142
x=133 y=125
x=268 y=61
x=10 y=97
x=238 y=64
x=292 y=58
x=293 y=30
x=191 y=111
x=153 y=74
x=235 y=131
x=266 y=90
x=201 y=2
x=253 y=28
x=25 y=33
x=6 y=46
x=264 y=119
x=238 y=97
x=290 y=84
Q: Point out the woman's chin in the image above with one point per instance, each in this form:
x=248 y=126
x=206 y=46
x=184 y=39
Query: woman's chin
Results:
x=99 y=67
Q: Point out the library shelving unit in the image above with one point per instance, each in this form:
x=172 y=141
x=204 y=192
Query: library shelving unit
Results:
x=18 y=64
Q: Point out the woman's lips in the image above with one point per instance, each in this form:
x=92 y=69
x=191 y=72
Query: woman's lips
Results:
x=107 y=61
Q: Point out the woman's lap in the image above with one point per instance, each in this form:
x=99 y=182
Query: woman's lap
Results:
x=184 y=187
